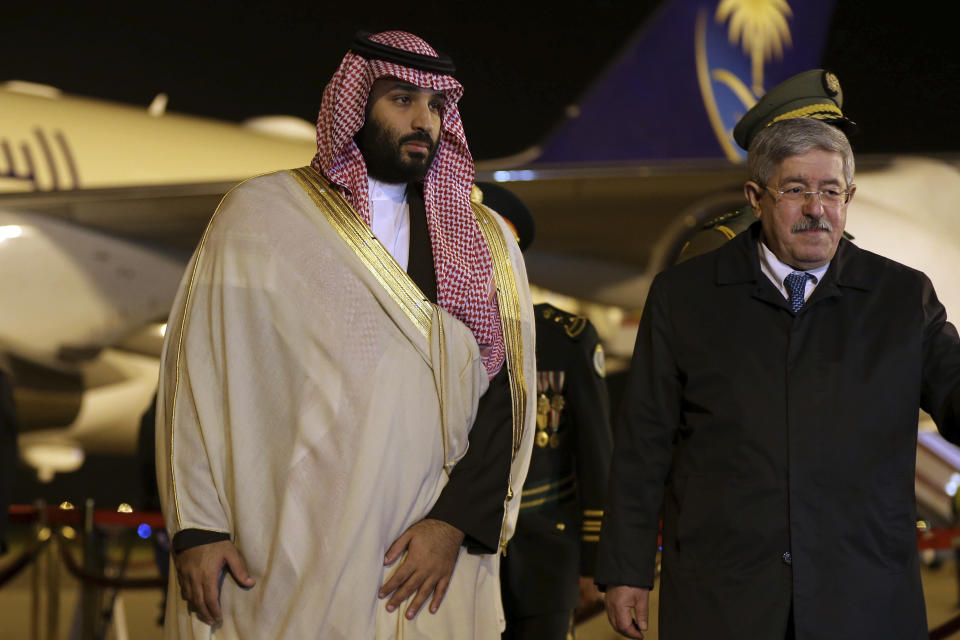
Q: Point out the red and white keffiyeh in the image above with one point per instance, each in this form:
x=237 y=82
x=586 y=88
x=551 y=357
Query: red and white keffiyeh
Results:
x=462 y=262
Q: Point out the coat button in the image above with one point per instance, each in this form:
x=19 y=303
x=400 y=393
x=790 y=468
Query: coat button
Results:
x=787 y=558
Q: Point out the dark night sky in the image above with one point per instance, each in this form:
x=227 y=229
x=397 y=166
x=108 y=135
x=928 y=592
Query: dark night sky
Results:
x=521 y=62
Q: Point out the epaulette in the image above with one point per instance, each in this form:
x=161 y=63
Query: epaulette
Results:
x=727 y=224
x=571 y=324
x=719 y=220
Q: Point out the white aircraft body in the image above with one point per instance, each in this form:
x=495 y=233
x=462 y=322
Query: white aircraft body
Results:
x=100 y=207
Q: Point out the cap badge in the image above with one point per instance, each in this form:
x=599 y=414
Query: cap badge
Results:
x=831 y=84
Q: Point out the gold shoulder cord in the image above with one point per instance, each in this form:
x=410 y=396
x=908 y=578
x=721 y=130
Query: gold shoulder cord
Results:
x=725 y=230
x=509 y=304
x=374 y=255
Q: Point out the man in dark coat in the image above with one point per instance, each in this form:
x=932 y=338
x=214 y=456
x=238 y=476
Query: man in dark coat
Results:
x=782 y=452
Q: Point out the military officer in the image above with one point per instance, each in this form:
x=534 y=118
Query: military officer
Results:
x=811 y=94
x=549 y=563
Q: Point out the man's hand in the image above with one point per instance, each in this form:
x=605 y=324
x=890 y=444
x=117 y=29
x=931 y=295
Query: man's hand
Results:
x=198 y=571
x=589 y=593
x=628 y=610
x=432 y=547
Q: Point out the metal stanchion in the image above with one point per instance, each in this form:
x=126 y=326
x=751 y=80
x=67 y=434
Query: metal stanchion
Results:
x=93 y=562
x=36 y=577
x=54 y=536
x=53 y=588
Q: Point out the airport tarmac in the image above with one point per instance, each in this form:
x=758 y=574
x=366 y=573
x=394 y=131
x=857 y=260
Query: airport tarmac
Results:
x=135 y=612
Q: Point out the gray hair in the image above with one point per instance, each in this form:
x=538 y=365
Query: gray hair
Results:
x=792 y=137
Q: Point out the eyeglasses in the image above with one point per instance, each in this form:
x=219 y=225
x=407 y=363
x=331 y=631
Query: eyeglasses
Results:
x=830 y=197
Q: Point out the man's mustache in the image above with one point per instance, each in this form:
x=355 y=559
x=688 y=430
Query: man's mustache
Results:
x=418 y=137
x=812 y=224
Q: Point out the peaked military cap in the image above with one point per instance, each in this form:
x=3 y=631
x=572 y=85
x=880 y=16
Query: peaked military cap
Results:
x=812 y=94
x=508 y=205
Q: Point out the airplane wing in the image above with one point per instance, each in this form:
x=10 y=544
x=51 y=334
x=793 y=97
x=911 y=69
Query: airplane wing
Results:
x=88 y=267
x=602 y=231
x=162 y=216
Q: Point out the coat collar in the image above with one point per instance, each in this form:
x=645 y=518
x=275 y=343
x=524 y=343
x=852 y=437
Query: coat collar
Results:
x=738 y=262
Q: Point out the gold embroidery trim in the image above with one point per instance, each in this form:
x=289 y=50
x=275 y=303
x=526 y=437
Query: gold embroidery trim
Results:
x=590 y=538
x=545 y=487
x=596 y=513
x=575 y=326
x=816 y=111
x=509 y=303
x=443 y=407
x=569 y=491
x=183 y=322
x=359 y=237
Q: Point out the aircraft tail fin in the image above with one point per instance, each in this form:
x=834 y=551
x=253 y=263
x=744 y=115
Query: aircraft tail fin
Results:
x=685 y=78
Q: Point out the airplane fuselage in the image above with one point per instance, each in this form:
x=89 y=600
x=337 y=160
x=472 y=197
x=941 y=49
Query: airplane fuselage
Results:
x=50 y=141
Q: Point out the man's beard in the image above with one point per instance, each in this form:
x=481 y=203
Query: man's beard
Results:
x=385 y=159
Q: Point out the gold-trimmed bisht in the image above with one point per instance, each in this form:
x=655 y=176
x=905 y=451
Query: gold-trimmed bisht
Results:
x=371 y=252
x=179 y=328
x=508 y=302
x=380 y=263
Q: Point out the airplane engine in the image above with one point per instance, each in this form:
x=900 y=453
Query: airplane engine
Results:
x=97 y=411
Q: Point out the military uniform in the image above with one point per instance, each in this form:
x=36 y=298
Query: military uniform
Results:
x=561 y=507
x=717 y=231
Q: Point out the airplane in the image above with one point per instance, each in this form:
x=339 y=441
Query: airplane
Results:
x=109 y=200
x=101 y=205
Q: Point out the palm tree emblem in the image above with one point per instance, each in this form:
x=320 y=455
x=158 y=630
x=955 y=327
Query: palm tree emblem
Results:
x=761 y=27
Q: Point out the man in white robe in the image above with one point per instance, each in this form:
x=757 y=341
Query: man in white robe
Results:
x=343 y=415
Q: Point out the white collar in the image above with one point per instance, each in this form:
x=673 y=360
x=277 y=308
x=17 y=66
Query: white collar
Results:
x=390 y=218
x=395 y=192
x=777 y=271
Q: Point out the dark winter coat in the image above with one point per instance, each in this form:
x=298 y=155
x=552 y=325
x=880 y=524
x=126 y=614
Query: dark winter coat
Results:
x=781 y=447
